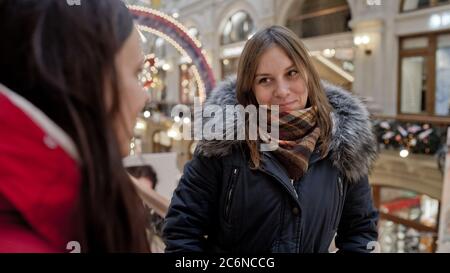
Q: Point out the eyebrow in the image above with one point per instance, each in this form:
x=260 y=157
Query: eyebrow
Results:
x=267 y=74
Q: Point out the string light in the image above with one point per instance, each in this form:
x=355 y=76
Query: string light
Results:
x=404 y=153
x=198 y=79
x=168 y=18
x=200 y=83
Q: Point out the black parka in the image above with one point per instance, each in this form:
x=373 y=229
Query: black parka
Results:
x=223 y=205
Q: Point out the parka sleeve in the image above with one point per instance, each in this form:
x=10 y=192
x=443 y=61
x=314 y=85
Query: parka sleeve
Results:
x=357 y=231
x=193 y=206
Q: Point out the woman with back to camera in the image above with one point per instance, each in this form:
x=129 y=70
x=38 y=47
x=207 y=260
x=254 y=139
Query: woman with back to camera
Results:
x=69 y=97
x=233 y=197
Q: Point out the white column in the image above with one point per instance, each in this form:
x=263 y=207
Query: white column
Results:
x=369 y=78
x=376 y=74
x=444 y=219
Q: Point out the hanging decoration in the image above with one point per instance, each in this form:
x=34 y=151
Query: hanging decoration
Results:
x=416 y=138
x=166 y=27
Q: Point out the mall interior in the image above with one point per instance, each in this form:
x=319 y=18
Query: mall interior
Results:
x=393 y=54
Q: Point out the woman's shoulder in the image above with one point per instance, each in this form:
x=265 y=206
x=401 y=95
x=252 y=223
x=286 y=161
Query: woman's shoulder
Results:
x=18 y=238
x=38 y=178
x=222 y=151
x=223 y=96
x=19 y=118
x=30 y=140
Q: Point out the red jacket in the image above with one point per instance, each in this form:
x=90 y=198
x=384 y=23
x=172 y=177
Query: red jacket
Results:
x=39 y=179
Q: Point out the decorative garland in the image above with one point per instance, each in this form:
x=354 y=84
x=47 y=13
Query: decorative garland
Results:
x=417 y=138
x=175 y=33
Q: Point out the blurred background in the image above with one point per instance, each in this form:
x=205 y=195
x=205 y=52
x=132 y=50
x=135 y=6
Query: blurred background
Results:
x=393 y=54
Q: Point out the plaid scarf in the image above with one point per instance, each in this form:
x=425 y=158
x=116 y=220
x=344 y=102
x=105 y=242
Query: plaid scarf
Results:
x=298 y=137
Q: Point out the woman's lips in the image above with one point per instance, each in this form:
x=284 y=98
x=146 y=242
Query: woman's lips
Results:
x=287 y=104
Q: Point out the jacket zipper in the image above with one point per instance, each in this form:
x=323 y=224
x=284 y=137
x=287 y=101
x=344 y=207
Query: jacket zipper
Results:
x=283 y=185
x=298 y=243
x=230 y=193
x=341 y=187
x=340 y=202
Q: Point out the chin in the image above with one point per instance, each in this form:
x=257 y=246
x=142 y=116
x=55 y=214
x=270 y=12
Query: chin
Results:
x=124 y=152
x=290 y=108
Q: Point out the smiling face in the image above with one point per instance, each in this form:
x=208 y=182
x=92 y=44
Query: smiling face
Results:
x=279 y=82
x=275 y=69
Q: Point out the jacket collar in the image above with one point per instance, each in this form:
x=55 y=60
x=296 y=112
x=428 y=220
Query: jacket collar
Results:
x=43 y=121
x=271 y=166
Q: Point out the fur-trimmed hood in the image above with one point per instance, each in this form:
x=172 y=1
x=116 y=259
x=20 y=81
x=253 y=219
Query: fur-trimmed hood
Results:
x=352 y=145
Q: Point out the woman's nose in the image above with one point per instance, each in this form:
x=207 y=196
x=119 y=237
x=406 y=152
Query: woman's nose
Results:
x=282 y=90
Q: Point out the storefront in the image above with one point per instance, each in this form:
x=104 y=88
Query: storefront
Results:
x=424 y=66
x=424 y=58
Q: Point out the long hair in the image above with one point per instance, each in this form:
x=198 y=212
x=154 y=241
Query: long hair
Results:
x=294 y=48
x=60 y=58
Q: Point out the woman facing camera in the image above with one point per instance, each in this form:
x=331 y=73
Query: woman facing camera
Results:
x=69 y=97
x=234 y=197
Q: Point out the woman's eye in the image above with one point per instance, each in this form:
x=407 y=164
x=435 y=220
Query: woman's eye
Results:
x=264 y=81
x=292 y=73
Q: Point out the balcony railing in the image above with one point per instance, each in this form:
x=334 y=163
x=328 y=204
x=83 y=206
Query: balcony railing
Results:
x=407 y=181
x=157 y=207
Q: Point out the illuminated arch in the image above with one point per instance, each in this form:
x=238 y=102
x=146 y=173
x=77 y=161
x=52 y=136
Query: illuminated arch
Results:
x=166 y=27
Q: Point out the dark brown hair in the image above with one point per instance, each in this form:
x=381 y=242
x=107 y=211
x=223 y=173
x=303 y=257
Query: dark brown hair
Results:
x=294 y=48
x=144 y=171
x=59 y=57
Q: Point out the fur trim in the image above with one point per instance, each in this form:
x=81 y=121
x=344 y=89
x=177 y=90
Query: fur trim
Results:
x=352 y=145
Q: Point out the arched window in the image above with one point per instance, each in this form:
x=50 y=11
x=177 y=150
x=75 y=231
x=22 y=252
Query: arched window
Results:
x=239 y=27
x=312 y=18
